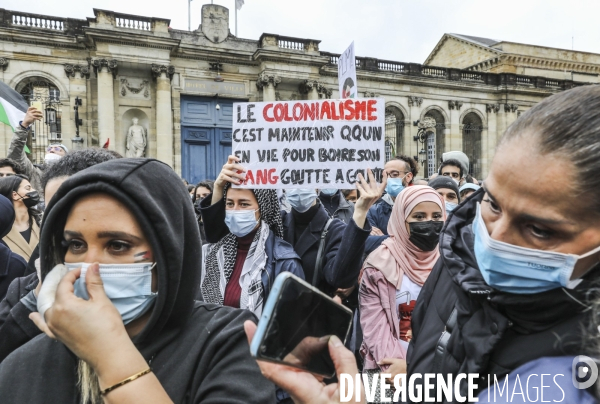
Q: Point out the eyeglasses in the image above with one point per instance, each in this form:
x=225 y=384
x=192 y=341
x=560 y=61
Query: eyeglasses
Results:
x=453 y=175
x=54 y=149
x=397 y=174
x=6 y=175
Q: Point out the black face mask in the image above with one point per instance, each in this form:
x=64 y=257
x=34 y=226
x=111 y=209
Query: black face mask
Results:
x=425 y=235
x=33 y=198
x=197 y=205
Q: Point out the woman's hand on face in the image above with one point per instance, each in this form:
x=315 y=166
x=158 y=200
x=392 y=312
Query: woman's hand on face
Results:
x=92 y=329
x=231 y=172
x=369 y=194
x=304 y=387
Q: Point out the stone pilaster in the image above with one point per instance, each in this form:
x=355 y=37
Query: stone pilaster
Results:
x=310 y=88
x=5 y=130
x=267 y=82
x=164 y=119
x=106 y=71
x=489 y=139
x=453 y=134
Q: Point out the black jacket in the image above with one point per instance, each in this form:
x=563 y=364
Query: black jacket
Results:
x=494 y=332
x=198 y=351
x=344 y=248
x=11 y=265
x=16 y=328
x=378 y=216
x=344 y=210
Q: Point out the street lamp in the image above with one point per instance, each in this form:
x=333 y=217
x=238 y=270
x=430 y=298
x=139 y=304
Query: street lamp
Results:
x=421 y=138
x=77 y=141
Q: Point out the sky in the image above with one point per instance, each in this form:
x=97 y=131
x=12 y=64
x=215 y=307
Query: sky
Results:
x=399 y=30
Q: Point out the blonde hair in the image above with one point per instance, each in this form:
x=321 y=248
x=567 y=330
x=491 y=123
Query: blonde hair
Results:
x=88 y=384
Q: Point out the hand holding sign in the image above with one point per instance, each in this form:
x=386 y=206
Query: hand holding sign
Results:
x=369 y=194
x=231 y=172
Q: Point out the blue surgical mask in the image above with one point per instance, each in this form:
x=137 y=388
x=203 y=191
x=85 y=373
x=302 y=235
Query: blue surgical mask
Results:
x=240 y=222
x=128 y=286
x=450 y=206
x=394 y=186
x=329 y=191
x=301 y=199
x=513 y=269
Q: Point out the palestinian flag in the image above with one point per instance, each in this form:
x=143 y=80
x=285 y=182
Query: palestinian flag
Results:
x=12 y=106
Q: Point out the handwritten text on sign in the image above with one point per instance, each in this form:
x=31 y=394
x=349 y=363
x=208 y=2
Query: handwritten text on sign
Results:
x=309 y=144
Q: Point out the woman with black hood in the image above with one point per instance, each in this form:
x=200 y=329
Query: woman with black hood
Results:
x=518 y=260
x=129 y=329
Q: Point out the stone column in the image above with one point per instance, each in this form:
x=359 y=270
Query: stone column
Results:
x=267 y=82
x=164 y=119
x=454 y=135
x=309 y=88
x=5 y=130
x=489 y=138
x=106 y=70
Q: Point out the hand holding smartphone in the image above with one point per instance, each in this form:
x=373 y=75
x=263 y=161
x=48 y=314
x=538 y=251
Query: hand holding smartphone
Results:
x=296 y=324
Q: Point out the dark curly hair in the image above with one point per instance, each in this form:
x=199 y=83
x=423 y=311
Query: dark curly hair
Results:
x=411 y=165
x=75 y=162
x=11 y=163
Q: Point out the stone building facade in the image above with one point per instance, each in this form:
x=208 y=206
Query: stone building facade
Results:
x=180 y=86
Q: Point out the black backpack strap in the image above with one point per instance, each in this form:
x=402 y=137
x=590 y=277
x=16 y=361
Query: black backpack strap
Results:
x=442 y=344
x=319 y=262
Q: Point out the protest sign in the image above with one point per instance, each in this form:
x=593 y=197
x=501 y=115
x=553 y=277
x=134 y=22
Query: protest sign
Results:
x=309 y=144
x=347 y=73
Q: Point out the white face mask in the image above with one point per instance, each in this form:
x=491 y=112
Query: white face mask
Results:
x=301 y=199
x=50 y=158
x=240 y=222
x=128 y=286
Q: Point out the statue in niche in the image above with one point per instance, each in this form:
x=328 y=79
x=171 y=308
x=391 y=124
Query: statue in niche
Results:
x=136 y=140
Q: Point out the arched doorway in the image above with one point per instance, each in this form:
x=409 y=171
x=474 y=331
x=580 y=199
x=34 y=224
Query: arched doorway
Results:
x=45 y=96
x=435 y=140
x=472 y=128
x=394 y=132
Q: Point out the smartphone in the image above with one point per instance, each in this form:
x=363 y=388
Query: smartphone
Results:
x=296 y=324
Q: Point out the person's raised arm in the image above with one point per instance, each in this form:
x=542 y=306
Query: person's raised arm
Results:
x=16 y=150
x=231 y=172
x=369 y=194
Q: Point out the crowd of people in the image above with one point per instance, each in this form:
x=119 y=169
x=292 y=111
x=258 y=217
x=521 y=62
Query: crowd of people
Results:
x=111 y=293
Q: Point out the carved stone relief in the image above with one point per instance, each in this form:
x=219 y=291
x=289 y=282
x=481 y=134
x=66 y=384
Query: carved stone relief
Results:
x=134 y=88
x=215 y=22
x=415 y=101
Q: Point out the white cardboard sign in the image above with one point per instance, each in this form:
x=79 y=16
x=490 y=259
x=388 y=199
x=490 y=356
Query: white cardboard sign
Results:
x=347 y=73
x=309 y=144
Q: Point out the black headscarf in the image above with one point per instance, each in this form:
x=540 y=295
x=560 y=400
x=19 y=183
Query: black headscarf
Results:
x=166 y=218
x=268 y=205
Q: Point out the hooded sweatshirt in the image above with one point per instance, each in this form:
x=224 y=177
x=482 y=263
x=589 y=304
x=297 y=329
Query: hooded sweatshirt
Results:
x=11 y=265
x=198 y=351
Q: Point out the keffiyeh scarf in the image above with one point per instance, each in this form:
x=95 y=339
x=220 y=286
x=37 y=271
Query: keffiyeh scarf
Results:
x=220 y=258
